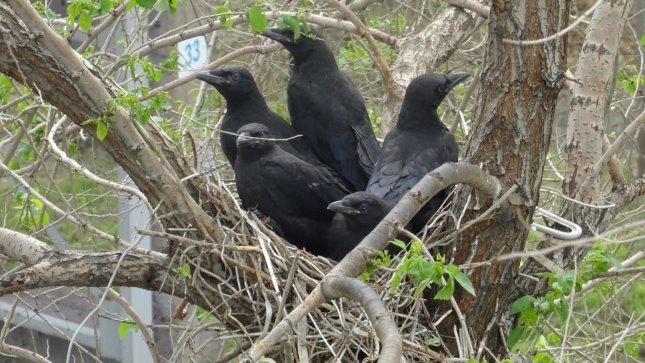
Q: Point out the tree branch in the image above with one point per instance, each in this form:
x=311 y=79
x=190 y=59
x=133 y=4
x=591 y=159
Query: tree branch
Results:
x=386 y=329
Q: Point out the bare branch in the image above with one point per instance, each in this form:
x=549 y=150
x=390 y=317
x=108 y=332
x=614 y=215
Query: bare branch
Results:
x=478 y=8
x=23 y=248
x=333 y=287
x=147 y=334
x=12 y=350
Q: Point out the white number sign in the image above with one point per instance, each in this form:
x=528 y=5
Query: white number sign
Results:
x=193 y=53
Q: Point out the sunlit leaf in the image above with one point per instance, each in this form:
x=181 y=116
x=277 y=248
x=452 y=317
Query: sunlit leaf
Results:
x=101 y=130
x=522 y=304
x=257 y=20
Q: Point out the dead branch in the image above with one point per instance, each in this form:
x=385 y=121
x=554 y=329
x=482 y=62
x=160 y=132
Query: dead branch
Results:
x=476 y=7
x=357 y=290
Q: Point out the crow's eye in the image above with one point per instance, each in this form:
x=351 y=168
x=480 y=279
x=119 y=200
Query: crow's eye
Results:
x=441 y=89
x=363 y=208
x=235 y=77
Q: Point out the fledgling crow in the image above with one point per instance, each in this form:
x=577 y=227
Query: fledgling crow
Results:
x=292 y=191
x=417 y=144
x=356 y=215
x=245 y=104
x=327 y=108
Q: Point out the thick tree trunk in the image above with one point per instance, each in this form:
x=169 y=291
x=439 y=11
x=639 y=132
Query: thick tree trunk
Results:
x=510 y=138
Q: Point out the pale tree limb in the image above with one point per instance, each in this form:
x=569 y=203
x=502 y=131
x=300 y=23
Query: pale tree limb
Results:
x=474 y=6
x=586 y=119
x=147 y=334
x=354 y=262
x=12 y=350
x=21 y=247
x=386 y=329
x=210 y=26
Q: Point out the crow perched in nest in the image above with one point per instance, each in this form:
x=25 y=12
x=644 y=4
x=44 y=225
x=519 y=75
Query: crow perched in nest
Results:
x=327 y=108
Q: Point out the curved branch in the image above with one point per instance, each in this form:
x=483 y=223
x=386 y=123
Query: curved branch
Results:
x=334 y=287
x=147 y=333
x=356 y=260
x=478 y=8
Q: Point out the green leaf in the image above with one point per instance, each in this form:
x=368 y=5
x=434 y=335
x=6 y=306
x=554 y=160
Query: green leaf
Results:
x=461 y=278
x=398 y=243
x=522 y=304
x=106 y=5
x=257 y=20
x=225 y=17
x=162 y=5
x=290 y=22
x=542 y=358
x=73 y=11
x=514 y=336
x=420 y=287
x=148 y=4
x=642 y=40
x=131 y=5
x=446 y=292
x=123 y=330
x=101 y=130
x=183 y=270
x=85 y=21
x=564 y=309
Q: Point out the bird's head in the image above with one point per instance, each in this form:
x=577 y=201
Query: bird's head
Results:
x=230 y=82
x=301 y=47
x=432 y=88
x=253 y=138
x=362 y=207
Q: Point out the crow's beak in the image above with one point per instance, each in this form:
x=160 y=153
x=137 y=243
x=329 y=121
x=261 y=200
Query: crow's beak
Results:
x=338 y=207
x=455 y=79
x=243 y=137
x=211 y=77
x=279 y=35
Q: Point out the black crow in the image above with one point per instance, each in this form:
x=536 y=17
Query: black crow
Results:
x=245 y=104
x=417 y=144
x=327 y=108
x=292 y=191
x=356 y=215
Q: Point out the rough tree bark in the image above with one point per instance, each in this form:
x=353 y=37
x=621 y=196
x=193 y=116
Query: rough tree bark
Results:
x=510 y=138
